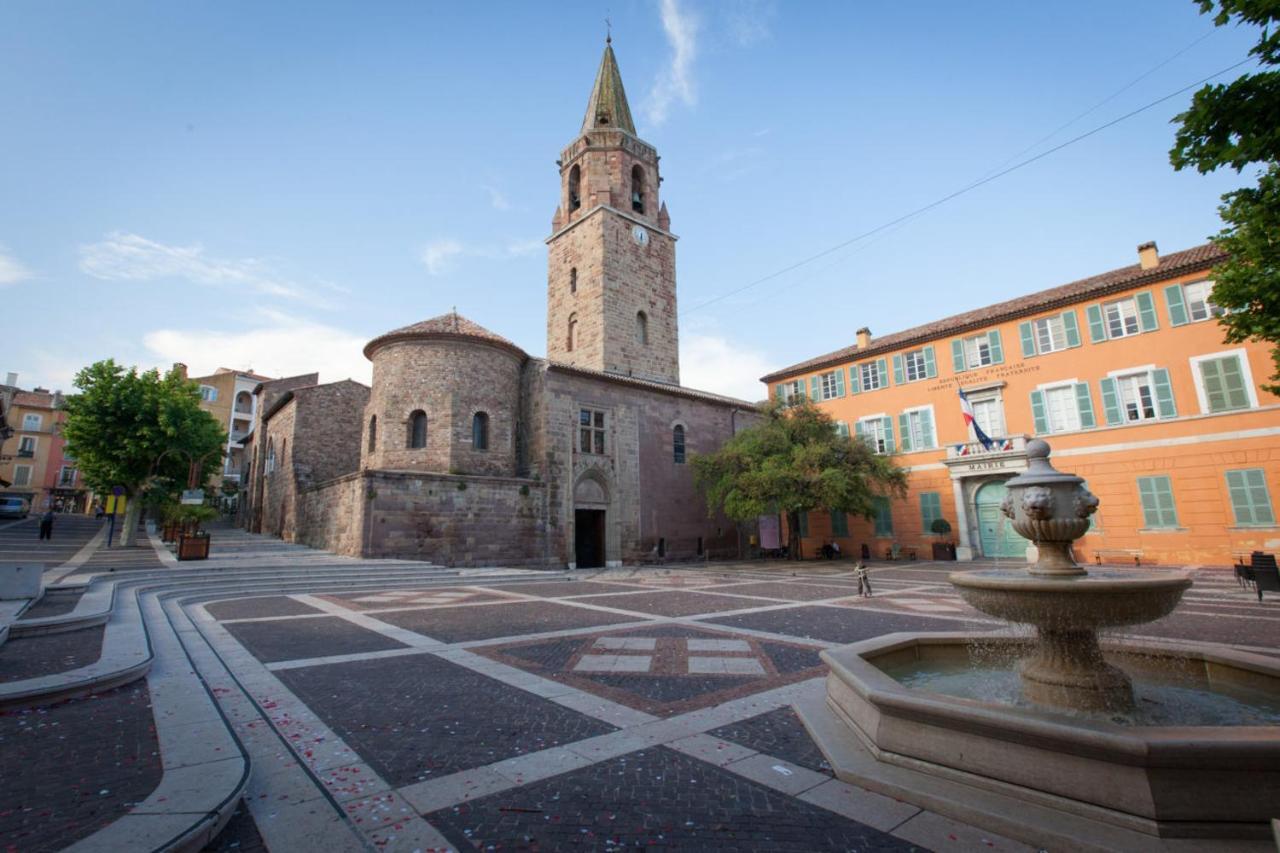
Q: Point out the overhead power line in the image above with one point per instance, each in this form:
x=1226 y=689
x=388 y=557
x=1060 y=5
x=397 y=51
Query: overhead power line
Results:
x=963 y=190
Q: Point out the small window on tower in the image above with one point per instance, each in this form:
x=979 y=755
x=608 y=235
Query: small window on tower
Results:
x=572 y=340
x=480 y=431
x=418 y=430
x=637 y=189
x=373 y=433
x=642 y=329
x=573 y=280
x=575 y=188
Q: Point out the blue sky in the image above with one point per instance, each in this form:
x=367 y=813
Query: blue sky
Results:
x=270 y=185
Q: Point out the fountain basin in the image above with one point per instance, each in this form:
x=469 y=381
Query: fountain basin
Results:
x=1206 y=781
x=1099 y=599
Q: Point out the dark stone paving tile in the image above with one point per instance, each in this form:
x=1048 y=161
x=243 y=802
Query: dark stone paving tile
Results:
x=414 y=598
x=419 y=717
x=653 y=800
x=791 y=591
x=459 y=624
x=681 y=603
x=29 y=657
x=292 y=639
x=780 y=734
x=560 y=589
x=72 y=768
x=240 y=835
x=252 y=608
x=839 y=624
x=52 y=606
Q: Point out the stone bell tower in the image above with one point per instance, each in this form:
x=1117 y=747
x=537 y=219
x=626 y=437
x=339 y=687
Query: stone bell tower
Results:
x=611 y=275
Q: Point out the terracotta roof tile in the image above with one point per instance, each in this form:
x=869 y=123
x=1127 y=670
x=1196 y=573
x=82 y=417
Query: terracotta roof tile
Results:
x=1176 y=263
x=452 y=325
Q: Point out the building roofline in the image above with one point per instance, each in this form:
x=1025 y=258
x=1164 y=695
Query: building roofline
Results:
x=1202 y=257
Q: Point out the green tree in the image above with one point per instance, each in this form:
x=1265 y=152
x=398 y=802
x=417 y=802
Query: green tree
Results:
x=139 y=431
x=794 y=461
x=1237 y=125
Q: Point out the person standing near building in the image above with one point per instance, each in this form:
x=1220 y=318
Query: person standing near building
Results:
x=46 y=524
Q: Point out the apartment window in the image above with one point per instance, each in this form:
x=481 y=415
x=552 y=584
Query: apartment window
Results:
x=1049 y=334
x=831 y=385
x=1121 y=318
x=988 y=412
x=480 y=431
x=930 y=510
x=877 y=432
x=1064 y=407
x=883 y=516
x=27 y=446
x=1137 y=395
x=591 y=431
x=914 y=366
x=915 y=429
x=1137 y=402
x=791 y=393
x=208 y=393
x=677 y=444
x=1223 y=382
x=31 y=423
x=977 y=351
x=1156 y=495
x=842 y=429
x=1250 y=500
x=839 y=524
x=1191 y=303
x=871 y=375
x=66 y=477
x=22 y=475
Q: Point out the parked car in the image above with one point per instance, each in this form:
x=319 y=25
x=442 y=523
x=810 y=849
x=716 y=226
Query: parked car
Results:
x=14 y=508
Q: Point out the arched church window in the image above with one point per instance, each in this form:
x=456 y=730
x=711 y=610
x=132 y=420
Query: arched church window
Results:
x=637 y=189
x=373 y=433
x=642 y=328
x=572 y=341
x=418 y=430
x=575 y=188
x=677 y=444
x=271 y=455
x=480 y=431
x=573 y=280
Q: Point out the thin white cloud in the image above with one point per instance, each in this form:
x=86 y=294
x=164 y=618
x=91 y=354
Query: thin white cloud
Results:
x=122 y=256
x=497 y=199
x=675 y=82
x=748 y=20
x=441 y=255
x=438 y=255
x=282 y=346
x=12 y=270
x=711 y=362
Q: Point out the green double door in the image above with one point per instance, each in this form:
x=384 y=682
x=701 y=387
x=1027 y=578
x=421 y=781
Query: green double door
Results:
x=998 y=538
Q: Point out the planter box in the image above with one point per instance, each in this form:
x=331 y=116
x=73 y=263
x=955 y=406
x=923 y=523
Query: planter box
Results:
x=169 y=533
x=193 y=547
x=944 y=551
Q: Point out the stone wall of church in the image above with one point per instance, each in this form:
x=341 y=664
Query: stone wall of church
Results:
x=279 y=485
x=575 y=292
x=331 y=515
x=449 y=380
x=640 y=278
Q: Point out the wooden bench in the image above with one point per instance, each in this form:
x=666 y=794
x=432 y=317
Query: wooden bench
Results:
x=1124 y=554
x=1266 y=575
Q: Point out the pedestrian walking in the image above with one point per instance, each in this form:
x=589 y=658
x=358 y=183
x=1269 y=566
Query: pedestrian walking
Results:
x=863 y=575
x=46 y=525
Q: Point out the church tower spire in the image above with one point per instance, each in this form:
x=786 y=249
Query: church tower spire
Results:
x=611 y=279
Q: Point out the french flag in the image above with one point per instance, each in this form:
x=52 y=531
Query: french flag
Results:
x=965 y=407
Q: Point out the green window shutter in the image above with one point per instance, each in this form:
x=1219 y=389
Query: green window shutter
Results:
x=882 y=368
x=1084 y=403
x=804 y=524
x=930 y=366
x=1250 y=501
x=1028 y=335
x=857 y=428
x=1156 y=495
x=899 y=375
x=1146 y=312
x=1177 y=305
x=1164 y=393
x=842 y=429
x=904 y=432
x=888 y=434
x=854 y=384
x=777 y=392
x=997 y=352
x=815 y=388
x=1038 y=412
x=1214 y=388
x=1233 y=383
x=839 y=524
x=1097 y=331
x=1072 y=330
x=957 y=355
x=926 y=430
x=1224 y=384
x=1110 y=401
x=930 y=509
x=839 y=383
x=884 y=517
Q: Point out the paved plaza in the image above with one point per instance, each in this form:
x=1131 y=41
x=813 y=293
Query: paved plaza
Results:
x=326 y=702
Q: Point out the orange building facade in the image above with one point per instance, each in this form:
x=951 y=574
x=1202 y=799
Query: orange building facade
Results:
x=1125 y=374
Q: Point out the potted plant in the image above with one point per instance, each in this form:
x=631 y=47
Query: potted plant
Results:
x=193 y=544
x=170 y=522
x=946 y=549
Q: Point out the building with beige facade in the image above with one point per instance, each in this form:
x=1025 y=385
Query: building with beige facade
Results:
x=33 y=462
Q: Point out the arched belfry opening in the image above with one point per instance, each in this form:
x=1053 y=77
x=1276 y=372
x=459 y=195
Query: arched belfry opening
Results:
x=575 y=187
x=637 y=189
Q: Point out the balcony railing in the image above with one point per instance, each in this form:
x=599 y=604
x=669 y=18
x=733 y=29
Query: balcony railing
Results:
x=999 y=447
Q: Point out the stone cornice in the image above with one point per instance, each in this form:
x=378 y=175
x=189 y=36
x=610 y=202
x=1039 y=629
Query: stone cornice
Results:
x=630 y=217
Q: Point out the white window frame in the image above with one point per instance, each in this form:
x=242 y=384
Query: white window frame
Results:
x=16 y=478
x=1206 y=301
x=990 y=395
x=878 y=445
x=874 y=367
x=933 y=430
x=1070 y=385
x=1137 y=319
x=35 y=444
x=27 y=418
x=1128 y=373
x=973 y=357
x=1055 y=332
x=1245 y=371
x=827 y=383
x=916 y=357
x=209 y=394
x=791 y=391
x=62 y=476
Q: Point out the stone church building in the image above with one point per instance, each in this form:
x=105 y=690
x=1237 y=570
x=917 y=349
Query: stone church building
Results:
x=472 y=452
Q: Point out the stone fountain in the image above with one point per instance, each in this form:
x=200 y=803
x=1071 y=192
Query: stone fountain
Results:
x=1092 y=743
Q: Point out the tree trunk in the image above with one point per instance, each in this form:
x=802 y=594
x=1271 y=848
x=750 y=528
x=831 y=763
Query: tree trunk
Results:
x=793 y=534
x=129 y=535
